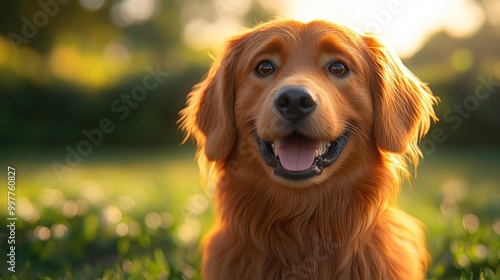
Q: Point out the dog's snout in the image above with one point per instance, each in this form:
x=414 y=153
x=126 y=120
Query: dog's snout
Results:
x=294 y=103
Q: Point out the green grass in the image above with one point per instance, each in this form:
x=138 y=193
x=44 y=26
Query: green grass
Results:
x=457 y=196
x=126 y=214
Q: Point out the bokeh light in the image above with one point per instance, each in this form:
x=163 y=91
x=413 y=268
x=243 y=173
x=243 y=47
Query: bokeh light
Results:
x=496 y=225
x=51 y=197
x=128 y=12
x=59 y=231
x=83 y=206
x=463 y=261
x=121 y=229
x=112 y=214
x=42 y=233
x=92 y=5
x=455 y=24
x=126 y=202
x=70 y=209
x=134 y=228
x=470 y=222
x=92 y=192
x=167 y=220
x=189 y=232
x=449 y=207
x=27 y=211
x=152 y=220
x=197 y=204
x=481 y=251
x=455 y=188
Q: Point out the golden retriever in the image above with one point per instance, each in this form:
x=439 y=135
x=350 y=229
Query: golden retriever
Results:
x=307 y=130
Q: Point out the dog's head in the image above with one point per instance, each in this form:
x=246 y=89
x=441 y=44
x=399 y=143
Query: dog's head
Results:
x=308 y=99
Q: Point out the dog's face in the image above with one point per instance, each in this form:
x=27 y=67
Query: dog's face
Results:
x=307 y=100
x=306 y=93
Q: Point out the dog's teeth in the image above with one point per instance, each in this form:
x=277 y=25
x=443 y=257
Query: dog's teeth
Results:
x=275 y=145
x=323 y=149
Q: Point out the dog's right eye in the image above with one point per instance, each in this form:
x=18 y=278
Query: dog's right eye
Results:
x=264 y=68
x=338 y=69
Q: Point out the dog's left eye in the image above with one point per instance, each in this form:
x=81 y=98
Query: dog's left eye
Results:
x=338 y=68
x=265 y=68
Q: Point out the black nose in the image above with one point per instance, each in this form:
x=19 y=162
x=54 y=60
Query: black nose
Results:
x=294 y=103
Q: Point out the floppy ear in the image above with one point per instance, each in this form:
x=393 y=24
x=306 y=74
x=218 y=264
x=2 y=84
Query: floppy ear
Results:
x=402 y=103
x=209 y=114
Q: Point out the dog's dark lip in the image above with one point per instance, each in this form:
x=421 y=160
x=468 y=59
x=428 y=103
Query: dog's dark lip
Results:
x=320 y=162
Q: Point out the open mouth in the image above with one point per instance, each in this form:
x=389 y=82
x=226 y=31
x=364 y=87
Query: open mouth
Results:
x=298 y=157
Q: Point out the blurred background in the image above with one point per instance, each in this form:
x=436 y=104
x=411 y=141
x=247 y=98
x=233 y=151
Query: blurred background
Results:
x=90 y=92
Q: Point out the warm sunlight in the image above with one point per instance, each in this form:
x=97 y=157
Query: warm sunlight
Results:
x=406 y=23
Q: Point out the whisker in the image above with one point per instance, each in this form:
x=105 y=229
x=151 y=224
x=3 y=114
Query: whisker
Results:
x=358 y=132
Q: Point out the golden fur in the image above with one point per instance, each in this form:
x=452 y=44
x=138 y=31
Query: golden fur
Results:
x=342 y=224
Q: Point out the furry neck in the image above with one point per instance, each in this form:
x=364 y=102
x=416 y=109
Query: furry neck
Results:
x=289 y=223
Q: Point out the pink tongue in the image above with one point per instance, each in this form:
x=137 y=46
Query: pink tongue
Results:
x=297 y=153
